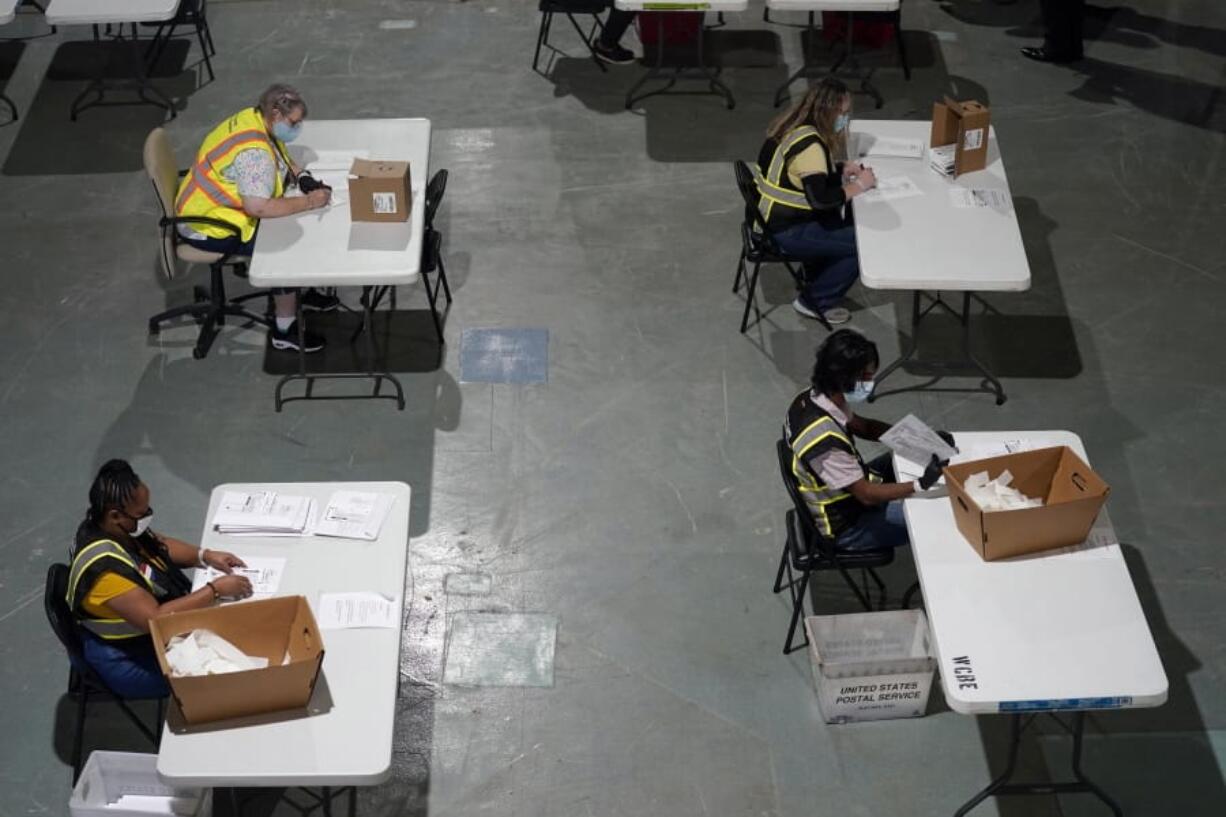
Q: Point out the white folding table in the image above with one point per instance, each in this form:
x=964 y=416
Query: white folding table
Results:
x=326 y=248
x=851 y=8
x=118 y=13
x=1059 y=631
x=700 y=70
x=8 y=10
x=927 y=245
x=345 y=736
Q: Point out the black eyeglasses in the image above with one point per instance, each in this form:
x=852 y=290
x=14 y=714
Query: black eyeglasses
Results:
x=148 y=513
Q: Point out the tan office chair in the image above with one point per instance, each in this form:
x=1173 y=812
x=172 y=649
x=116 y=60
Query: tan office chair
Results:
x=211 y=305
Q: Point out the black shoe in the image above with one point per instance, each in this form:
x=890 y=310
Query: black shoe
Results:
x=1040 y=54
x=613 y=54
x=313 y=300
x=288 y=340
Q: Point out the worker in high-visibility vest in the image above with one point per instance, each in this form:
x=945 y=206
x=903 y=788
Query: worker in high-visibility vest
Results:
x=805 y=188
x=124 y=574
x=239 y=177
x=856 y=505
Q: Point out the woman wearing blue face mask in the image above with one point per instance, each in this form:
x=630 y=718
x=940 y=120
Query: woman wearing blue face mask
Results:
x=239 y=177
x=124 y=574
x=856 y=504
x=804 y=191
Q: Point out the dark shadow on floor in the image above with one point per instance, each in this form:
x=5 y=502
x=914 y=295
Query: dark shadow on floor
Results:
x=106 y=727
x=405 y=340
x=103 y=139
x=1166 y=95
x=10 y=55
x=1126 y=751
x=209 y=420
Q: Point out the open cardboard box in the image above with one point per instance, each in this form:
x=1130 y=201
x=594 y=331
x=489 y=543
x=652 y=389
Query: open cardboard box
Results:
x=1072 y=496
x=270 y=628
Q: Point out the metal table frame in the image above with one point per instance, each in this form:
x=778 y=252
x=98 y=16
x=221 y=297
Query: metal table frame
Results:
x=701 y=71
x=139 y=81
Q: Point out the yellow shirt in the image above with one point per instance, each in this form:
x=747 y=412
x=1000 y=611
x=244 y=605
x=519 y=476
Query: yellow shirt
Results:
x=809 y=161
x=108 y=586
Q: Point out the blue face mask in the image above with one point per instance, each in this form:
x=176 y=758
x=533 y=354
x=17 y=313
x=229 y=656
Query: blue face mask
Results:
x=841 y=121
x=859 y=392
x=285 y=131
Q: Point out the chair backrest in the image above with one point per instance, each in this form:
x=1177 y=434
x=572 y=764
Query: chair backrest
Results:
x=434 y=196
x=59 y=616
x=753 y=216
x=811 y=543
x=163 y=171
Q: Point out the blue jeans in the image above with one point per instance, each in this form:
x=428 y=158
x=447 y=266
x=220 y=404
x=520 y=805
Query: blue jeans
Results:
x=830 y=259
x=878 y=528
x=131 y=670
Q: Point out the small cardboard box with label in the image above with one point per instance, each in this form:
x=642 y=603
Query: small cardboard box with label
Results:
x=379 y=190
x=965 y=126
x=281 y=629
x=1071 y=491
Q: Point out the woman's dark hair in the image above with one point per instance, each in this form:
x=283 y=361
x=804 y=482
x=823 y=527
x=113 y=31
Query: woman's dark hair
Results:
x=113 y=487
x=841 y=359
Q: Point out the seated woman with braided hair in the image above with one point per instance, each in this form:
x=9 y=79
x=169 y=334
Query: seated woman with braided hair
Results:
x=124 y=574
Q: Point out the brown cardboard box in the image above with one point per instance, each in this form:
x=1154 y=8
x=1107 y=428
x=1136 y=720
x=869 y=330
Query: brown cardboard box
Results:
x=379 y=190
x=1072 y=495
x=964 y=124
x=269 y=628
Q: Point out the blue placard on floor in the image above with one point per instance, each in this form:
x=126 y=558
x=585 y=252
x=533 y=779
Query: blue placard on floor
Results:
x=504 y=356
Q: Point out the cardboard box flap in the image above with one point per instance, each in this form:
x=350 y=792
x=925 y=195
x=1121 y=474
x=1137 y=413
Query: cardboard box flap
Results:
x=378 y=169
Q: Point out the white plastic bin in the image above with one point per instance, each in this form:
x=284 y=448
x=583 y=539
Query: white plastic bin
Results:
x=125 y=784
x=871 y=666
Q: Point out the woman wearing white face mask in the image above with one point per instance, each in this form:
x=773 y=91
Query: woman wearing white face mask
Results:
x=124 y=574
x=239 y=177
x=804 y=191
x=854 y=503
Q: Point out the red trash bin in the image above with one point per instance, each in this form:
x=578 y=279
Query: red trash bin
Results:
x=678 y=27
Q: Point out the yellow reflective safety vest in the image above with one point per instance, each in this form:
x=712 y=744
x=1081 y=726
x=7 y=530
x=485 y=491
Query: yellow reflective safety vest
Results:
x=205 y=190
x=780 y=203
x=100 y=556
x=811 y=431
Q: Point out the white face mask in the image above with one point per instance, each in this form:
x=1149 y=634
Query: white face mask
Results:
x=142 y=525
x=859 y=392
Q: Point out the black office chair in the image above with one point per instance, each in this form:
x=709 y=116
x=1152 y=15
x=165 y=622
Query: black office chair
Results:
x=211 y=306
x=758 y=248
x=192 y=13
x=83 y=682
x=570 y=8
x=806 y=551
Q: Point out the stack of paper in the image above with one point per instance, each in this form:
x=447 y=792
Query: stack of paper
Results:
x=262 y=513
x=942 y=159
x=891 y=188
x=204 y=652
x=354 y=515
x=355 y=611
x=894 y=147
x=997 y=494
x=962 y=197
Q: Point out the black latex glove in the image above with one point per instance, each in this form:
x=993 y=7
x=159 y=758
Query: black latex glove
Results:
x=932 y=473
x=948 y=438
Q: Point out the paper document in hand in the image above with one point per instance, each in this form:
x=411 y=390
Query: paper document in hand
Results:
x=911 y=439
x=962 y=197
x=349 y=611
x=264 y=573
x=892 y=146
x=891 y=188
x=354 y=514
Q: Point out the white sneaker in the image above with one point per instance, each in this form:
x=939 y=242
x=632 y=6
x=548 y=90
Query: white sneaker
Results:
x=835 y=315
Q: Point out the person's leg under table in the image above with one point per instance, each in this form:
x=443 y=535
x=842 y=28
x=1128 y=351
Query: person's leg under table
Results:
x=831 y=262
x=879 y=528
x=130 y=671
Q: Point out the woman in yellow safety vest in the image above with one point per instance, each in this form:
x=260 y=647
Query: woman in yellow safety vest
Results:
x=239 y=177
x=804 y=191
x=124 y=574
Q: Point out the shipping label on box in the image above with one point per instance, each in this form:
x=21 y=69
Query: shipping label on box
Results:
x=964 y=125
x=380 y=190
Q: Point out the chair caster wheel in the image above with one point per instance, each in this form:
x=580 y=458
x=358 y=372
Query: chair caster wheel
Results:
x=154 y=328
x=198 y=354
x=201 y=294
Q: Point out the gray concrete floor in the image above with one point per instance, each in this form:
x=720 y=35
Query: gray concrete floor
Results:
x=634 y=496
